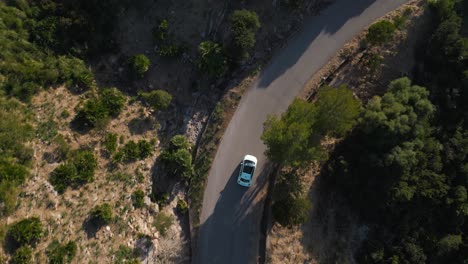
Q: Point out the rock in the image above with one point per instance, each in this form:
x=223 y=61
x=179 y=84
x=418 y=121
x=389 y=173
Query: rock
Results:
x=108 y=228
x=147 y=201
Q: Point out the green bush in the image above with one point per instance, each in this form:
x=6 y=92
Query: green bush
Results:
x=139 y=65
x=380 y=33
x=61 y=254
x=162 y=222
x=47 y=130
x=62 y=150
x=79 y=170
x=177 y=157
x=157 y=99
x=160 y=32
x=161 y=198
x=138 y=198
x=101 y=214
x=113 y=100
x=169 y=50
x=125 y=255
x=110 y=142
x=291 y=211
x=182 y=206
x=212 y=61
x=244 y=26
x=137 y=150
x=26 y=232
x=74 y=73
x=8 y=193
x=93 y=114
x=23 y=255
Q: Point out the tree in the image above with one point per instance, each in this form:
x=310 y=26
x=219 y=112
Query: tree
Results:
x=113 y=100
x=244 y=26
x=337 y=110
x=449 y=243
x=26 y=232
x=380 y=33
x=139 y=64
x=294 y=139
x=212 y=61
x=157 y=99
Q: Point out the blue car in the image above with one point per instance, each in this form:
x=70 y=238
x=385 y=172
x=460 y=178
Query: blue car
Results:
x=247 y=170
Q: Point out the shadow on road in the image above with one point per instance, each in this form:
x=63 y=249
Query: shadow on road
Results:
x=314 y=27
x=236 y=217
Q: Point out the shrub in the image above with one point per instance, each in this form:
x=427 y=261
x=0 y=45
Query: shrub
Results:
x=93 y=114
x=291 y=211
x=74 y=73
x=182 y=206
x=113 y=100
x=102 y=214
x=160 y=32
x=8 y=193
x=380 y=32
x=110 y=143
x=23 y=255
x=157 y=99
x=58 y=253
x=74 y=173
x=125 y=255
x=62 y=149
x=244 y=25
x=135 y=150
x=138 y=198
x=162 y=222
x=139 y=64
x=26 y=232
x=212 y=61
x=47 y=130
x=169 y=50
x=161 y=198
x=177 y=157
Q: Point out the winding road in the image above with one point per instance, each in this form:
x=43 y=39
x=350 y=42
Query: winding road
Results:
x=231 y=214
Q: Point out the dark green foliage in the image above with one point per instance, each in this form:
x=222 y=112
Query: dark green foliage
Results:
x=26 y=68
x=244 y=26
x=139 y=64
x=182 y=206
x=157 y=99
x=177 y=157
x=26 y=232
x=23 y=255
x=61 y=254
x=167 y=46
x=380 y=33
x=137 y=150
x=162 y=222
x=15 y=157
x=212 y=61
x=110 y=142
x=295 y=138
x=113 y=100
x=161 y=198
x=79 y=170
x=101 y=214
x=291 y=211
x=98 y=109
x=138 y=198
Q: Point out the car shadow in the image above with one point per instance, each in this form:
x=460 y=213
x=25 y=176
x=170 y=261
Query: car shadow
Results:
x=231 y=233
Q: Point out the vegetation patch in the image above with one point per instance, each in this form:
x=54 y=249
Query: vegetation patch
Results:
x=61 y=253
x=101 y=214
x=177 y=157
x=26 y=232
x=162 y=222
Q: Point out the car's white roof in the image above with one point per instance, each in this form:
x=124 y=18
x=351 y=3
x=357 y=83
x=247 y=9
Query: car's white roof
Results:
x=251 y=158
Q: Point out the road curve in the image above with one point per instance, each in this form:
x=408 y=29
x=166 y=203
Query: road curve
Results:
x=230 y=218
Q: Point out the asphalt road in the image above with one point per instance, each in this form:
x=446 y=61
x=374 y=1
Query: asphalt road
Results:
x=231 y=214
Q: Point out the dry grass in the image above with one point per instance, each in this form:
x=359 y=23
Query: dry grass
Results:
x=64 y=215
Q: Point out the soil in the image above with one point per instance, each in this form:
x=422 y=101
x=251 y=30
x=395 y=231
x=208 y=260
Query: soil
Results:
x=333 y=233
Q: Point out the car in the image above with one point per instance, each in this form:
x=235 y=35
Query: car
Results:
x=247 y=170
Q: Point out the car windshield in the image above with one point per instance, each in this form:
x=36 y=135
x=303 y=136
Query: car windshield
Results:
x=248 y=169
x=244 y=180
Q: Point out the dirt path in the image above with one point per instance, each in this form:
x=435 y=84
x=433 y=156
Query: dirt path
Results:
x=230 y=220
